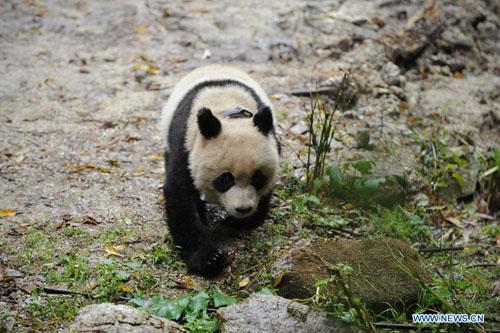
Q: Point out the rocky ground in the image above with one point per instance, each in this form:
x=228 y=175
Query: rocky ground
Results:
x=81 y=90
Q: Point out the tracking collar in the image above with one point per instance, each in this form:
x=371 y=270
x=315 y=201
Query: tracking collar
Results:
x=237 y=112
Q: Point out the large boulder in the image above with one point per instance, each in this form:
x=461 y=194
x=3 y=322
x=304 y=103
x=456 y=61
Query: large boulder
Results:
x=274 y=314
x=111 y=318
x=377 y=275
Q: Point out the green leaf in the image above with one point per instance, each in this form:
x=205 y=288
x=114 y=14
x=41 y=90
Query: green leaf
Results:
x=121 y=275
x=221 y=299
x=459 y=178
x=372 y=184
x=264 y=292
x=171 y=310
x=363 y=166
x=198 y=304
x=313 y=199
x=202 y=325
x=138 y=301
x=336 y=181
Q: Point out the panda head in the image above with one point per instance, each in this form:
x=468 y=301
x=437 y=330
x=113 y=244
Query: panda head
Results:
x=234 y=162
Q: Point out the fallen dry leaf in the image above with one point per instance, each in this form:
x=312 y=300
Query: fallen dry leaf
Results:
x=404 y=105
x=155 y=158
x=277 y=280
x=88 y=166
x=141 y=29
x=146 y=58
x=125 y=288
x=114 y=250
x=7 y=212
x=243 y=283
x=187 y=282
x=495 y=289
x=348 y=206
x=456 y=222
x=114 y=163
x=149 y=68
x=138 y=172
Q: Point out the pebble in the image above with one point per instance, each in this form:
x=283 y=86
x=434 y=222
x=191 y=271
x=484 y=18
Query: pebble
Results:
x=12 y=273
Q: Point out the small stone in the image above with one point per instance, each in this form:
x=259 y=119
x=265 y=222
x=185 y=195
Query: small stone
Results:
x=140 y=75
x=391 y=74
x=12 y=273
x=455 y=39
x=421 y=200
x=299 y=128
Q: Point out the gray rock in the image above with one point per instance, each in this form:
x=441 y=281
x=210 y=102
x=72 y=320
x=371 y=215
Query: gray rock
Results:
x=12 y=273
x=391 y=74
x=107 y=317
x=277 y=314
x=455 y=38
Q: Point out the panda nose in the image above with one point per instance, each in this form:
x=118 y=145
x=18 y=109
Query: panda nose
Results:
x=243 y=210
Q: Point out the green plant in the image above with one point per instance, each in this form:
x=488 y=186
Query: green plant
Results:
x=53 y=308
x=110 y=280
x=334 y=296
x=76 y=269
x=190 y=309
x=37 y=246
x=399 y=223
x=322 y=121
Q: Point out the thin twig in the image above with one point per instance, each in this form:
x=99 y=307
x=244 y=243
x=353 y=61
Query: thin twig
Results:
x=441 y=249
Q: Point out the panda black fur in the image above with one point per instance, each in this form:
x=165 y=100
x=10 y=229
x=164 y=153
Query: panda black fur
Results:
x=221 y=148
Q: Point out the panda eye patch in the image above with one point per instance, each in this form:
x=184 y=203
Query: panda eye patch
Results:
x=224 y=182
x=258 y=180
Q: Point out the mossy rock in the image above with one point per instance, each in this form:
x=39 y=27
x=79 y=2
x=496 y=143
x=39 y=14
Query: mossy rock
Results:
x=377 y=277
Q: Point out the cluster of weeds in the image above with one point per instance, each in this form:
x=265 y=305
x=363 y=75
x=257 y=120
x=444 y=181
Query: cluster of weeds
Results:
x=116 y=234
x=455 y=172
x=489 y=180
x=49 y=311
x=399 y=223
x=322 y=121
x=334 y=296
x=37 y=247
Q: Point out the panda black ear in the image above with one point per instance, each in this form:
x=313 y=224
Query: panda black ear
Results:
x=209 y=124
x=263 y=120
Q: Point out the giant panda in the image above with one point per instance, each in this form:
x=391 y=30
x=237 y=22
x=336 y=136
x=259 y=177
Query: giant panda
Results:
x=220 y=148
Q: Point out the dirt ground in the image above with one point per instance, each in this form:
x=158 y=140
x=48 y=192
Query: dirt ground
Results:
x=82 y=84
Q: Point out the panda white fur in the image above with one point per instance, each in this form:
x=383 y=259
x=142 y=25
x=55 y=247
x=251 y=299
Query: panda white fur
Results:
x=221 y=148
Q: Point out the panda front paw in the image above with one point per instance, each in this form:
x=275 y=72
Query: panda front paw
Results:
x=207 y=261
